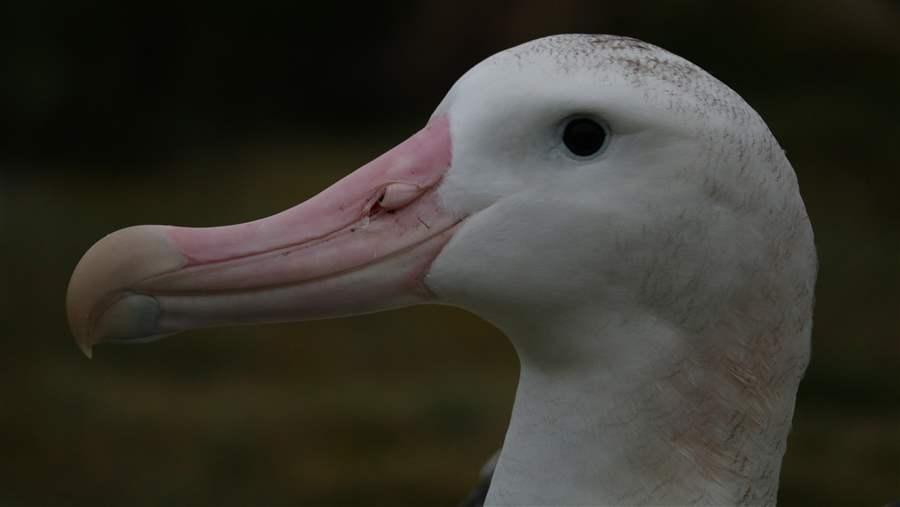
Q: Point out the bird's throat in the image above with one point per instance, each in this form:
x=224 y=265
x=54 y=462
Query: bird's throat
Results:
x=642 y=427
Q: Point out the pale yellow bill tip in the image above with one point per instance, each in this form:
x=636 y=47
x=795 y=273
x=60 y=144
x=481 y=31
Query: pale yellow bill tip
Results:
x=86 y=349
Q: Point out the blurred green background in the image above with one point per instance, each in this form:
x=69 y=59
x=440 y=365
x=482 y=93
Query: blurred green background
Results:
x=121 y=114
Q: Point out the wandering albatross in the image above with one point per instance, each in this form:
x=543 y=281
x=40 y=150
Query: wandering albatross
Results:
x=626 y=219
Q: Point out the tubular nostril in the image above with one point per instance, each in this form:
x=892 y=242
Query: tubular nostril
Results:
x=397 y=195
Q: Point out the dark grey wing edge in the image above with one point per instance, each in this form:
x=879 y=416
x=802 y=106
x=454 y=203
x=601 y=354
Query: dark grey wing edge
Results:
x=478 y=495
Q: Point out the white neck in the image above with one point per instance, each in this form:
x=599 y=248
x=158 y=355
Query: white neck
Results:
x=637 y=416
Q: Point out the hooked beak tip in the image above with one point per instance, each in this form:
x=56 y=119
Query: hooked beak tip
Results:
x=100 y=302
x=86 y=349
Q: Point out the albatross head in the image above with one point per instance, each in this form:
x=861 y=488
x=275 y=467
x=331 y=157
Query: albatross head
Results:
x=625 y=218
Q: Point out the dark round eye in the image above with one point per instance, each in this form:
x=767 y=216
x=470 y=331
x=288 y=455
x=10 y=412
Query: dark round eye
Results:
x=584 y=137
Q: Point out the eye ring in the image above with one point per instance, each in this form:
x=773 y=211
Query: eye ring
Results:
x=584 y=137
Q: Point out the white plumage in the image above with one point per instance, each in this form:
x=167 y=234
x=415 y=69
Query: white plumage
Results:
x=658 y=291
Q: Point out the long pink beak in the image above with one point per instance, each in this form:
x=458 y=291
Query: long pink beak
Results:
x=364 y=244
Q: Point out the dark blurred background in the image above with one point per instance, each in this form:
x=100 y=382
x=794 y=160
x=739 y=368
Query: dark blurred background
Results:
x=117 y=114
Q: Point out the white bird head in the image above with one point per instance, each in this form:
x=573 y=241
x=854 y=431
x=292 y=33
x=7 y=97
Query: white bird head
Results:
x=685 y=207
x=627 y=219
